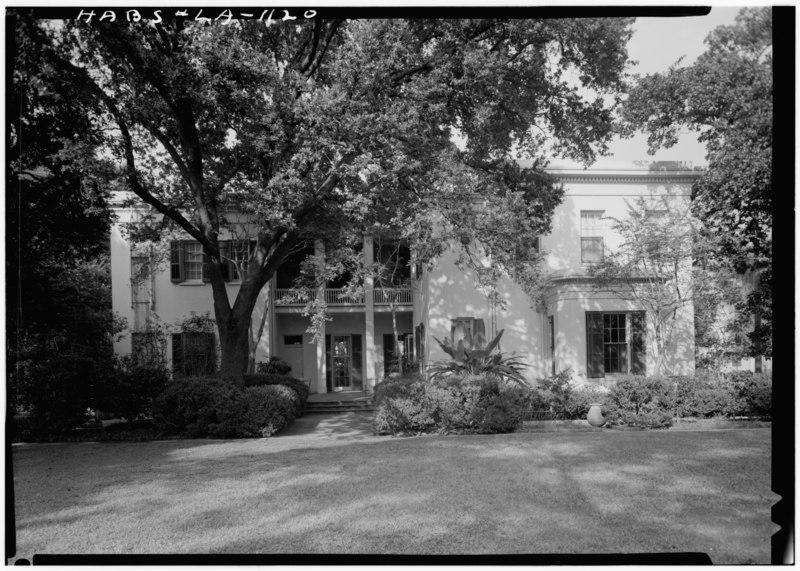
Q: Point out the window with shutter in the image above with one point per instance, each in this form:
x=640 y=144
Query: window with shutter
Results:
x=176 y=261
x=594 y=345
x=638 y=345
x=615 y=343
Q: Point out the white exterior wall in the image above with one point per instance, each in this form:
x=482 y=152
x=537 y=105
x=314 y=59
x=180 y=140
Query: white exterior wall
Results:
x=452 y=292
x=173 y=302
x=447 y=292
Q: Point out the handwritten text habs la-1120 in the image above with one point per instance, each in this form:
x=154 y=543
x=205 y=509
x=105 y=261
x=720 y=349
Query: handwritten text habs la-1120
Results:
x=226 y=16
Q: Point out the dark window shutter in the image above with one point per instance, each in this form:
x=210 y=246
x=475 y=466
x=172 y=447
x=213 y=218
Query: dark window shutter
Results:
x=176 y=261
x=228 y=270
x=388 y=352
x=177 y=353
x=357 y=367
x=638 y=343
x=205 y=266
x=328 y=364
x=594 y=345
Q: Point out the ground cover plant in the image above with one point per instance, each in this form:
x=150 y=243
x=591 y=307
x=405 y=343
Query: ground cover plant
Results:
x=343 y=490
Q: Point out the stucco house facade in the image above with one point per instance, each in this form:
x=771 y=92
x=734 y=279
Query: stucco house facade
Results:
x=594 y=333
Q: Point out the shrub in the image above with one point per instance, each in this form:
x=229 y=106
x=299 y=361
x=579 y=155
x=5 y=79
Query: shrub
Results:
x=57 y=392
x=581 y=399
x=644 y=402
x=130 y=389
x=472 y=403
x=196 y=407
x=212 y=407
x=264 y=410
x=275 y=366
x=298 y=386
x=752 y=392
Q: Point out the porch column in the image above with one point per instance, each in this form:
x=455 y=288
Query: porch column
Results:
x=369 y=317
x=319 y=252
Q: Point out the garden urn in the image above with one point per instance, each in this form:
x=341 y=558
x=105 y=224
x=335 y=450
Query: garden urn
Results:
x=595 y=415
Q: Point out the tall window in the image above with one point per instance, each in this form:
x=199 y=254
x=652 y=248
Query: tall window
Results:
x=193 y=261
x=592 y=233
x=188 y=261
x=615 y=343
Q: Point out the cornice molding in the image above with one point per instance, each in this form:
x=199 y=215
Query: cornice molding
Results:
x=629 y=178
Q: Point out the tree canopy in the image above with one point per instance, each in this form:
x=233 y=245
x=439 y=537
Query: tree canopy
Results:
x=725 y=96
x=325 y=129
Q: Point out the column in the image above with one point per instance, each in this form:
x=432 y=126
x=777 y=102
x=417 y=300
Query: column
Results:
x=319 y=252
x=369 y=317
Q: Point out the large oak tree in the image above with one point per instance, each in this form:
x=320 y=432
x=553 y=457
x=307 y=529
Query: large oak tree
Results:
x=324 y=129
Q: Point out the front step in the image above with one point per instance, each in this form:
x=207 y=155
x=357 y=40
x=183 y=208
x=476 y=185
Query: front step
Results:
x=340 y=406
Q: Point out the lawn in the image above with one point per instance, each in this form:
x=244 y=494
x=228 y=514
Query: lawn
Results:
x=342 y=490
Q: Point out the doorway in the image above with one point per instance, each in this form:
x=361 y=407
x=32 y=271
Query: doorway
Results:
x=342 y=362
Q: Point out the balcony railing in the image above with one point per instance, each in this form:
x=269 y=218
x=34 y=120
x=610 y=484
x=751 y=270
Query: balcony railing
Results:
x=397 y=296
x=339 y=296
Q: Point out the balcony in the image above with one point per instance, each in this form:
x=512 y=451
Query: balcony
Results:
x=340 y=297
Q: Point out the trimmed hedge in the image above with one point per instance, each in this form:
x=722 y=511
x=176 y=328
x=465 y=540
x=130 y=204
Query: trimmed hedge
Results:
x=299 y=387
x=644 y=402
x=410 y=404
x=210 y=407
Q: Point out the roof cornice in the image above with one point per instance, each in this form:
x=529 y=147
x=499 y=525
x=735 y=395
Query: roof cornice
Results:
x=630 y=177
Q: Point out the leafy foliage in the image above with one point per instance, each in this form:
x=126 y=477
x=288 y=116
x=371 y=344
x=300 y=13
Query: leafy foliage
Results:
x=640 y=401
x=726 y=96
x=275 y=366
x=325 y=128
x=478 y=360
x=210 y=407
x=476 y=404
x=653 y=266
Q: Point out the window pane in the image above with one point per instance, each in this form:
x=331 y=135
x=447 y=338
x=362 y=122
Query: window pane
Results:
x=591 y=250
x=193 y=261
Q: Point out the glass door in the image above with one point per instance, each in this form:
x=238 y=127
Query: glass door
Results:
x=342 y=361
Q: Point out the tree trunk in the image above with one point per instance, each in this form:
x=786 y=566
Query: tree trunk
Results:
x=235 y=351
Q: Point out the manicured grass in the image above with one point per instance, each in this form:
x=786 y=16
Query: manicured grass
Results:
x=342 y=490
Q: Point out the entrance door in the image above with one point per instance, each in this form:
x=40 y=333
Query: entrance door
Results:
x=342 y=360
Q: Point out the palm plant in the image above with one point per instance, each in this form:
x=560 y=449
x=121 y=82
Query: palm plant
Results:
x=478 y=360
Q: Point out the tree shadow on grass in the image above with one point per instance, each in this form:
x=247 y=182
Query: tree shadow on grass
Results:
x=607 y=492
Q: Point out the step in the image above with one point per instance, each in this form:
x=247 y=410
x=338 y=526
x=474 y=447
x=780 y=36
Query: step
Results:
x=338 y=407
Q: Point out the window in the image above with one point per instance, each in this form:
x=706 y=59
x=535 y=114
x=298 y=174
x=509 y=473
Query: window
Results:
x=194 y=354
x=292 y=339
x=592 y=233
x=188 y=261
x=615 y=343
x=193 y=261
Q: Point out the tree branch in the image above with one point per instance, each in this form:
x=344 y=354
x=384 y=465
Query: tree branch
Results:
x=133 y=178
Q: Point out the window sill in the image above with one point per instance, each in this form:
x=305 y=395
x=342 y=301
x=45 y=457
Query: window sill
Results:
x=192 y=283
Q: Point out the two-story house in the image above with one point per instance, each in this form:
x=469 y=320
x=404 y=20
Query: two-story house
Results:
x=573 y=325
